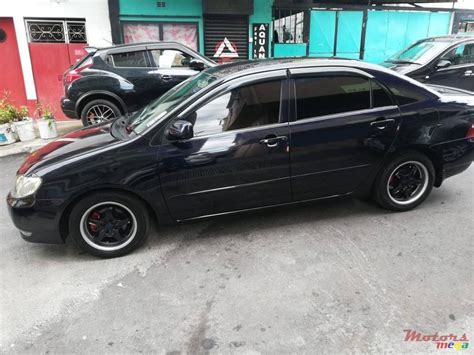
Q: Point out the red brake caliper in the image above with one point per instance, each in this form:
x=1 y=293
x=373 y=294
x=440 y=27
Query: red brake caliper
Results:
x=93 y=227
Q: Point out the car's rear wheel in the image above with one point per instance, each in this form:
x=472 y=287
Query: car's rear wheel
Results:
x=404 y=182
x=109 y=224
x=98 y=111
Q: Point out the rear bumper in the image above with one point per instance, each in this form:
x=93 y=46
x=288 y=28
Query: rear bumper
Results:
x=68 y=107
x=38 y=223
x=456 y=156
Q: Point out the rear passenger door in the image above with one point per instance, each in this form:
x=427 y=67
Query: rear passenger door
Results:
x=342 y=125
x=170 y=67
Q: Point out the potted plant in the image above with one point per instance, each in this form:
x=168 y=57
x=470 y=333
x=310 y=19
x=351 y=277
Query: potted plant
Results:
x=46 y=122
x=24 y=126
x=7 y=135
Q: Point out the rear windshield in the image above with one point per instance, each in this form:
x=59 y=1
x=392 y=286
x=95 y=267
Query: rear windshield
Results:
x=82 y=60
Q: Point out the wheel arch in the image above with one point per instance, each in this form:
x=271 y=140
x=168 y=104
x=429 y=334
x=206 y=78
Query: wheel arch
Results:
x=431 y=155
x=66 y=213
x=100 y=94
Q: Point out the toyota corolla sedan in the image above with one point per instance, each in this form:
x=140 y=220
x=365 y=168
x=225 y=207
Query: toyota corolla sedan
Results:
x=240 y=137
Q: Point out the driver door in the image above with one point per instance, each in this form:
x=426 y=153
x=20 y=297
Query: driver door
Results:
x=460 y=73
x=238 y=158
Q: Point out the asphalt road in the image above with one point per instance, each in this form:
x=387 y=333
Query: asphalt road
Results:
x=331 y=277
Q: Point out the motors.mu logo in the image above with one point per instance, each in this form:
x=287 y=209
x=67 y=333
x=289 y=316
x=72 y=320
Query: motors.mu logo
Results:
x=444 y=341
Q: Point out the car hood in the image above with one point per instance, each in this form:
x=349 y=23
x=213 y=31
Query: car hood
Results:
x=90 y=140
x=400 y=68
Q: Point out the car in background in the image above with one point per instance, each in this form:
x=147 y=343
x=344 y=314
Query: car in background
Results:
x=244 y=136
x=112 y=81
x=450 y=91
x=445 y=60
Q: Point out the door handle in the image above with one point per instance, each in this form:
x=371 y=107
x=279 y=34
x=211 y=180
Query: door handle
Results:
x=382 y=123
x=166 y=77
x=273 y=141
x=468 y=73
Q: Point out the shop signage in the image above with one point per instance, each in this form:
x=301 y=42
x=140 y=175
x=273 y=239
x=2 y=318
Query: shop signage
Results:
x=231 y=50
x=260 y=40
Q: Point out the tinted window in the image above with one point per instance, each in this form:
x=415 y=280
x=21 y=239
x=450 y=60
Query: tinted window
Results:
x=130 y=59
x=318 y=96
x=406 y=95
x=248 y=106
x=380 y=97
x=462 y=54
x=170 y=58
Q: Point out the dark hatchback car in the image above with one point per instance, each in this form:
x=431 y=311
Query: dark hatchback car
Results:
x=239 y=137
x=109 y=82
x=447 y=61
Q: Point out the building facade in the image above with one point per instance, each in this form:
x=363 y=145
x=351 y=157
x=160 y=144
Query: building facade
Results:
x=229 y=30
x=42 y=39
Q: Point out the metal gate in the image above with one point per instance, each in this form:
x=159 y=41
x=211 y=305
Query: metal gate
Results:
x=226 y=37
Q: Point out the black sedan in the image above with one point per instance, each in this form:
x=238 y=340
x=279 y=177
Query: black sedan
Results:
x=240 y=137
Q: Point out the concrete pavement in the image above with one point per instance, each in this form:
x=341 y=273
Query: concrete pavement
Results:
x=340 y=276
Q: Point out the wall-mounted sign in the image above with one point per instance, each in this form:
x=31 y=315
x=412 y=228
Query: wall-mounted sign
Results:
x=226 y=49
x=260 y=40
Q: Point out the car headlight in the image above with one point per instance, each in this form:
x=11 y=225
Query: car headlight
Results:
x=25 y=186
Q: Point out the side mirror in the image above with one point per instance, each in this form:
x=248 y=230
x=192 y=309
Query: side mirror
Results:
x=180 y=129
x=196 y=64
x=443 y=63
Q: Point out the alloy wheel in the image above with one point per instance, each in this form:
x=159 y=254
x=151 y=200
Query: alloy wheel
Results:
x=408 y=182
x=99 y=113
x=108 y=226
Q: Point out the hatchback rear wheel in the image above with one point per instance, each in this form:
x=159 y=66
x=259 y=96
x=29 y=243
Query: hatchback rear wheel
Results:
x=98 y=111
x=109 y=224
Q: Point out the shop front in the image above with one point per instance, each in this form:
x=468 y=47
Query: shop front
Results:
x=229 y=30
x=222 y=30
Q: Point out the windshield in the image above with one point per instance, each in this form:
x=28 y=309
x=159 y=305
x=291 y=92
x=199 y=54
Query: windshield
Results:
x=419 y=53
x=160 y=107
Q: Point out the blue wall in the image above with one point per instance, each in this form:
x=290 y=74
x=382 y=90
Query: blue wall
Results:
x=390 y=31
x=387 y=32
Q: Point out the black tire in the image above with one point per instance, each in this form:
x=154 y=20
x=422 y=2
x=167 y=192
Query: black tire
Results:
x=90 y=115
x=411 y=188
x=95 y=219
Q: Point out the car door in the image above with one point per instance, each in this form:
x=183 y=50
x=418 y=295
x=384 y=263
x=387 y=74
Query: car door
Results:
x=238 y=158
x=455 y=68
x=339 y=133
x=134 y=67
x=170 y=67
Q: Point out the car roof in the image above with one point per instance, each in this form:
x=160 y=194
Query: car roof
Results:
x=460 y=37
x=138 y=45
x=245 y=67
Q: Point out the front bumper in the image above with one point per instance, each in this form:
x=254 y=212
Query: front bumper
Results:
x=37 y=223
x=68 y=107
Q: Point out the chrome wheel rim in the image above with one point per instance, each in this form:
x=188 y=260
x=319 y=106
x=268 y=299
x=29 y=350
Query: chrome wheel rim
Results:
x=108 y=226
x=99 y=113
x=407 y=182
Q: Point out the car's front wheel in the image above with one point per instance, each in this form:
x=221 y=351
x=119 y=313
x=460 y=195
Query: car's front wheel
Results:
x=109 y=224
x=404 y=182
x=98 y=111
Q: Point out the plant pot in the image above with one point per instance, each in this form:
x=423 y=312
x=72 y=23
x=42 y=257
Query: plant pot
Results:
x=7 y=136
x=47 y=129
x=25 y=130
